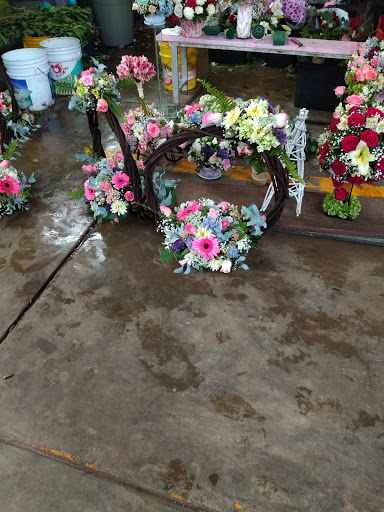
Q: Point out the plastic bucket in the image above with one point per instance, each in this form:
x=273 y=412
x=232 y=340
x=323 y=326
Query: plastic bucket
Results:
x=166 y=60
x=33 y=42
x=28 y=70
x=64 y=60
x=115 y=19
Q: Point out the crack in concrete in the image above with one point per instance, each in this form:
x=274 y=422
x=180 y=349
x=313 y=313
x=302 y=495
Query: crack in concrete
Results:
x=53 y=274
x=91 y=469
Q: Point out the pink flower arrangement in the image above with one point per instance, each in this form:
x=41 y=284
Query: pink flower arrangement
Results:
x=14 y=189
x=138 y=68
x=207 y=247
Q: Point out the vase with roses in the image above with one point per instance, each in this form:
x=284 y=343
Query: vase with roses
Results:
x=192 y=15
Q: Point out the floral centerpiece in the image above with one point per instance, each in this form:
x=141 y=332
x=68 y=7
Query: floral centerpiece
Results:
x=145 y=132
x=205 y=234
x=154 y=11
x=14 y=189
x=352 y=150
x=295 y=12
x=192 y=13
x=212 y=156
x=139 y=69
x=94 y=86
x=268 y=15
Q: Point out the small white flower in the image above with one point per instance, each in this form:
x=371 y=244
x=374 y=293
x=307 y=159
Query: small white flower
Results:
x=199 y=10
x=119 y=207
x=200 y=2
x=215 y=264
x=135 y=6
x=188 y=13
x=211 y=9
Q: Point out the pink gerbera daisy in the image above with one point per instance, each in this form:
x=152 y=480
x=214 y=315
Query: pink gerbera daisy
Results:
x=9 y=186
x=120 y=180
x=89 y=193
x=207 y=247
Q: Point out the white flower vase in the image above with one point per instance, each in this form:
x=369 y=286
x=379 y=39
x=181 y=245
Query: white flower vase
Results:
x=191 y=29
x=244 y=20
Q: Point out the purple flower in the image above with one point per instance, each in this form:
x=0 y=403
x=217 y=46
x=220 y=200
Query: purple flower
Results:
x=280 y=134
x=373 y=51
x=270 y=108
x=188 y=242
x=207 y=151
x=209 y=222
x=223 y=153
x=178 y=245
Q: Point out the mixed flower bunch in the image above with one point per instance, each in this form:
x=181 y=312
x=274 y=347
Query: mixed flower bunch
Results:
x=94 y=86
x=212 y=153
x=194 y=10
x=365 y=73
x=14 y=189
x=295 y=11
x=145 y=132
x=267 y=13
x=352 y=150
x=145 y=7
x=108 y=190
x=139 y=69
x=205 y=234
x=195 y=116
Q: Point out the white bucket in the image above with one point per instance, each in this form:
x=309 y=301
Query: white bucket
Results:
x=28 y=71
x=64 y=58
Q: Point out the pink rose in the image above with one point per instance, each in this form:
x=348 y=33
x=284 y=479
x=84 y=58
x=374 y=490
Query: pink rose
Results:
x=211 y=118
x=153 y=130
x=355 y=100
x=87 y=168
x=339 y=90
x=102 y=105
x=281 y=119
x=375 y=61
x=336 y=115
x=224 y=224
x=371 y=74
x=129 y=196
x=360 y=76
x=212 y=159
x=189 y=228
x=224 y=205
x=105 y=186
x=4 y=164
x=87 y=79
x=165 y=211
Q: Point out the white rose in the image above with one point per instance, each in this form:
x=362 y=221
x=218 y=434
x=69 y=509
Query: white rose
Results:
x=188 y=13
x=211 y=10
x=178 y=10
x=200 y=2
x=226 y=266
x=199 y=10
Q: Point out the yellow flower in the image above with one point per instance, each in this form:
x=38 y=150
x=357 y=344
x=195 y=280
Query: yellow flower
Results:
x=361 y=158
x=96 y=93
x=87 y=150
x=203 y=233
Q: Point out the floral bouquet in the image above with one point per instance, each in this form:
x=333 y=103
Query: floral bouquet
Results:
x=107 y=190
x=14 y=189
x=91 y=85
x=212 y=153
x=146 y=7
x=141 y=70
x=295 y=12
x=267 y=14
x=144 y=132
x=365 y=74
x=192 y=14
x=205 y=234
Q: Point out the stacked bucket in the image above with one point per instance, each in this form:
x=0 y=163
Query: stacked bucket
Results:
x=36 y=73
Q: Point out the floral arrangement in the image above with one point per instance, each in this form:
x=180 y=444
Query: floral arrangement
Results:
x=352 y=150
x=295 y=11
x=268 y=14
x=205 y=234
x=14 y=189
x=92 y=86
x=145 y=7
x=145 y=132
x=139 y=69
x=194 y=10
x=212 y=153
x=365 y=73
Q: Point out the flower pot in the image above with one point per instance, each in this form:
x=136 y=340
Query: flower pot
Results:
x=259 y=180
x=155 y=20
x=212 y=30
x=258 y=32
x=279 y=38
x=244 y=20
x=208 y=173
x=191 y=29
x=33 y=42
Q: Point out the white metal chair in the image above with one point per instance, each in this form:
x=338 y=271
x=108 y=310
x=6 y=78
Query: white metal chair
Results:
x=295 y=148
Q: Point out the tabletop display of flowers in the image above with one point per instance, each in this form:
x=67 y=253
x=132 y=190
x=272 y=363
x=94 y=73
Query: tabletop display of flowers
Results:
x=145 y=132
x=194 y=10
x=14 y=189
x=365 y=73
x=212 y=153
x=205 y=234
x=352 y=150
x=94 y=86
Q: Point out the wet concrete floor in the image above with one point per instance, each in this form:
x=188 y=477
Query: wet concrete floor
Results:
x=137 y=389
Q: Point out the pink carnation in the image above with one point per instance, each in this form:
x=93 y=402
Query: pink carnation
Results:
x=375 y=61
x=360 y=76
x=355 y=100
x=153 y=130
x=226 y=164
x=213 y=213
x=87 y=79
x=129 y=196
x=224 y=205
x=189 y=228
x=105 y=186
x=224 y=224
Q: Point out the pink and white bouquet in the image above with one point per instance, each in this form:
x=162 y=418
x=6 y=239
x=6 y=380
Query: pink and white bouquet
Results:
x=107 y=190
x=140 y=69
x=194 y=10
x=212 y=153
x=94 y=86
x=198 y=115
x=146 y=131
x=14 y=189
x=211 y=235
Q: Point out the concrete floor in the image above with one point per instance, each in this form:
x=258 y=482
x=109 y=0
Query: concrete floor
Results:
x=136 y=389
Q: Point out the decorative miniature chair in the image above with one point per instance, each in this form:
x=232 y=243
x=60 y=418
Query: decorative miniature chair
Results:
x=295 y=147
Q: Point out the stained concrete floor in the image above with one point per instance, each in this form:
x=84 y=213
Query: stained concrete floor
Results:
x=137 y=389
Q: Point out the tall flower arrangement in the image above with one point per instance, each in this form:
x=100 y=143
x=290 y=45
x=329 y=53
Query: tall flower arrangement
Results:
x=141 y=70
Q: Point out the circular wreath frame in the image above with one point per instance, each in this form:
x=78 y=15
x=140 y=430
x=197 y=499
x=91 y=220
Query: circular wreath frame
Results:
x=279 y=174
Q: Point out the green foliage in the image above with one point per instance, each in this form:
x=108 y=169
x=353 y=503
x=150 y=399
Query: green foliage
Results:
x=348 y=209
x=10 y=29
x=167 y=255
x=311 y=146
x=332 y=33
x=10 y=150
x=225 y=103
x=287 y=162
x=76 y=194
x=125 y=83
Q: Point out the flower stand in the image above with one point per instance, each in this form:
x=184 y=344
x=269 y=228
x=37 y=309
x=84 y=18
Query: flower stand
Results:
x=191 y=29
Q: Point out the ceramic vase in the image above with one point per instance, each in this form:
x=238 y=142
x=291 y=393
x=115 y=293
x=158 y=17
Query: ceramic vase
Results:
x=191 y=29
x=244 y=20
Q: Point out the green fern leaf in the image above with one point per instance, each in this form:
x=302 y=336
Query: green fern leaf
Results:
x=10 y=150
x=76 y=194
x=226 y=104
x=167 y=255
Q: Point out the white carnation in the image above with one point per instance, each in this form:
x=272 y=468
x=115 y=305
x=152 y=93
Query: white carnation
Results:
x=188 y=13
x=178 y=10
x=199 y=10
x=200 y=2
x=211 y=10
